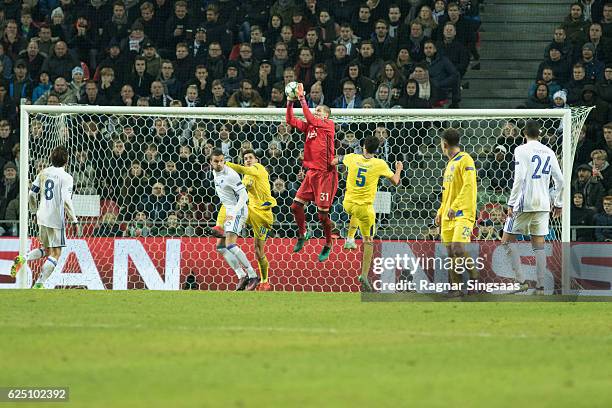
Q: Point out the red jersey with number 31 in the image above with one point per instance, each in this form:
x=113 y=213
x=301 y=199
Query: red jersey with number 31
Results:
x=319 y=143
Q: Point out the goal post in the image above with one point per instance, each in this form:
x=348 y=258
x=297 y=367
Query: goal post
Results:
x=91 y=133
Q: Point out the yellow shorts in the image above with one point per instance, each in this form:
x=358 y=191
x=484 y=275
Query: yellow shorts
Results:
x=260 y=221
x=457 y=230
x=364 y=216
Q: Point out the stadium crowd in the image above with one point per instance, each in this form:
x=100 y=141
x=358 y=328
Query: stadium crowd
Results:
x=577 y=71
x=348 y=53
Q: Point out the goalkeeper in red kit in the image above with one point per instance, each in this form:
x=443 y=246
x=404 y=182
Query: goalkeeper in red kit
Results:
x=321 y=181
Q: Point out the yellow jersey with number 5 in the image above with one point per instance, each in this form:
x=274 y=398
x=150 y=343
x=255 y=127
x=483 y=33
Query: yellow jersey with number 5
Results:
x=459 y=188
x=362 y=178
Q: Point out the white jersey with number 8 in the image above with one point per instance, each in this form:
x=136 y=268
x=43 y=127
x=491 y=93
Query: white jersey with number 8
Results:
x=53 y=188
x=534 y=165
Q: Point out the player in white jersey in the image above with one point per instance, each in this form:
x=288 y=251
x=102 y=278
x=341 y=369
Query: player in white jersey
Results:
x=234 y=197
x=52 y=190
x=531 y=200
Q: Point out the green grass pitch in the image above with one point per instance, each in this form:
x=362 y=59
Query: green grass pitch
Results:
x=213 y=349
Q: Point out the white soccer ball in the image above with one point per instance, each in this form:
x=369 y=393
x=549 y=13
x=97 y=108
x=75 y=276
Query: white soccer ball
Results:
x=291 y=90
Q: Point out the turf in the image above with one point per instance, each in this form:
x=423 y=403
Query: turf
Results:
x=179 y=349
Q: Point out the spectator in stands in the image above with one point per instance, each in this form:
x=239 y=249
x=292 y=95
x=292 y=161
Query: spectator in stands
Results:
x=382 y=99
x=454 y=50
x=362 y=23
x=327 y=27
x=604 y=87
x=577 y=84
x=394 y=17
x=315 y=96
x=59 y=28
x=61 y=91
x=602 y=171
x=274 y=29
x=581 y=216
x=127 y=97
x=177 y=26
x=601 y=114
x=183 y=64
x=427 y=21
x=8 y=139
x=349 y=98
x=606 y=21
x=60 y=62
x=185 y=209
x=585 y=145
x=152 y=59
x=172 y=228
x=283 y=9
x=20 y=86
x=349 y=144
x=84 y=174
x=384 y=45
x=219 y=96
x=411 y=99
x=139 y=226
x=231 y=81
x=246 y=97
x=299 y=25
x=603 y=46
x=11 y=40
x=44 y=41
x=261 y=49
x=592 y=9
x=541 y=99
x=43 y=86
x=156 y=203
x=225 y=142
x=172 y=86
x=559 y=63
x=319 y=51
x=593 y=67
x=280 y=61
x=9 y=185
x=283 y=200
x=549 y=79
x=365 y=85
x=77 y=83
x=265 y=80
x=575 y=26
x=403 y=62
x=443 y=73
x=92 y=95
x=467 y=31
x=108 y=226
x=372 y=65
x=592 y=190
x=604 y=220
x=427 y=90
x=277 y=97
x=304 y=68
x=348 y=39
x=6 y=65
x=562 y=43
x=83 y=41
x=415 y=42
x=336 y=70
x=559 y=100
x=158 y=96
x=248 y=66
x=216 y=31
x=134 y=185
x=292 y=44
x=33 y=58
x=388 y=151
x=391 y=76
x=497 y=170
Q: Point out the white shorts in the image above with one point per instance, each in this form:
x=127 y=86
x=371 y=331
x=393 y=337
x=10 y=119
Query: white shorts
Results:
x=236 y=224
x=528 y=223
x=52 y=237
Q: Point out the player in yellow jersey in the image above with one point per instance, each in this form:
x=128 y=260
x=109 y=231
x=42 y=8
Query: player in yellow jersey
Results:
x=257 y=182
x=457 y=212
x=363 y=173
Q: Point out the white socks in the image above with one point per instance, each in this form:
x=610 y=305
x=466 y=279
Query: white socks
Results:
x=540 y=256
x=35 y=254
x=241 y=256
x=47 y=269
x=515 y=262
x=232 y=261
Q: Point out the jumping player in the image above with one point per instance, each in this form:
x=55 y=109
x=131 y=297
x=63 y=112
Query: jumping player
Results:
x=52 y=191
x=321 y=181
x=364 y=170
x=257 y=182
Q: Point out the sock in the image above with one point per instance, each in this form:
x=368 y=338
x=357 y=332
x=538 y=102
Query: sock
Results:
x=453 y=276
x=263 y=268
x=35 y=254
x=515 y=262
x=300 y=218
x=232 y=261
x=366 y=259
x=326 y=223
x=47 y=269
x=540 y=256
x=241 y=256
x=352 y=229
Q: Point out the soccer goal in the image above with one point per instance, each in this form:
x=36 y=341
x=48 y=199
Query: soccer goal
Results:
x=145 y=200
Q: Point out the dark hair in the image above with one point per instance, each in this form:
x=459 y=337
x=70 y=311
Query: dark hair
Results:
x=216 y=152
x=451 y=136
x=59 y=156
x=249 y=151
x=371 y=144
x=532 y=129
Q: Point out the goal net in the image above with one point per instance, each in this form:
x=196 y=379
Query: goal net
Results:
x=145 y=198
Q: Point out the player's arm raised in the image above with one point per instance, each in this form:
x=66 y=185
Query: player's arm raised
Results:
x=310 y=118
x=252 y=171
x=468 y=188
x=292 y=120
x=395 y=179
x=520 y=169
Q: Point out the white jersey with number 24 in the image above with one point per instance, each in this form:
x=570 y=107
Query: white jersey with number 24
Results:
x=534 y=165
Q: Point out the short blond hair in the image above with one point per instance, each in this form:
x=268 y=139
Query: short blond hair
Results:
x=599 y=154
